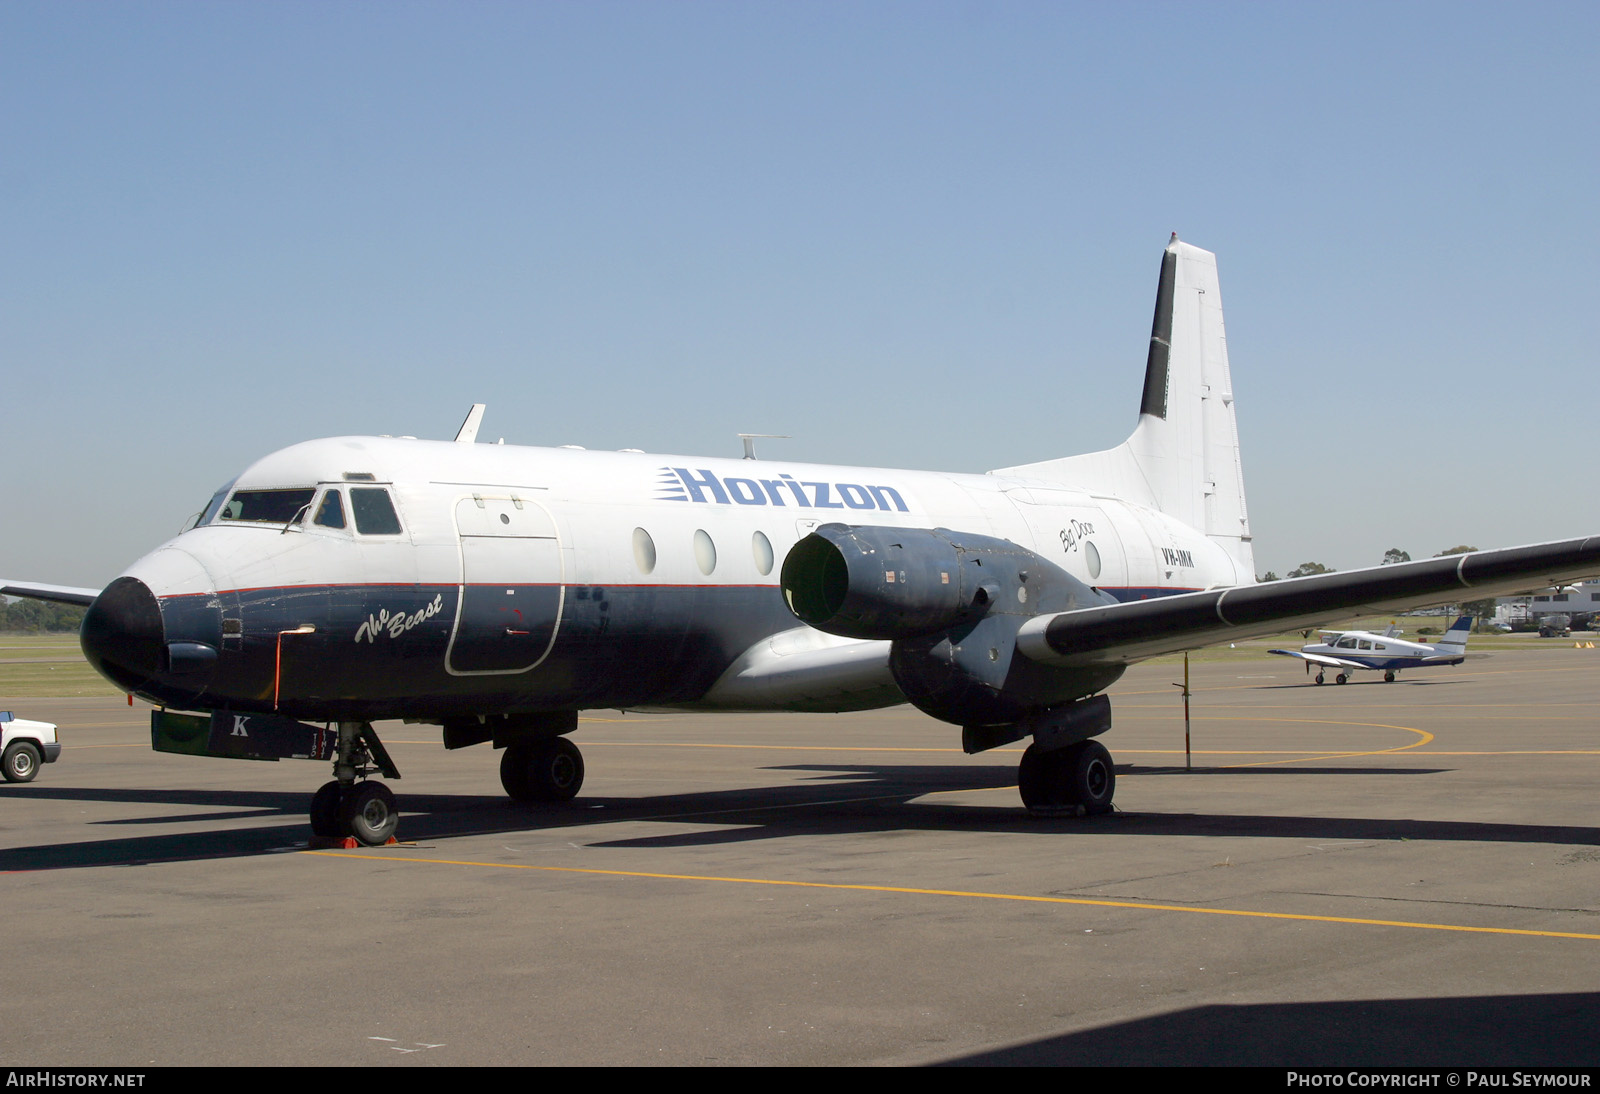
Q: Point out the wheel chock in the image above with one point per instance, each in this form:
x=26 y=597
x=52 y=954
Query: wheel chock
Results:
x=343 y=843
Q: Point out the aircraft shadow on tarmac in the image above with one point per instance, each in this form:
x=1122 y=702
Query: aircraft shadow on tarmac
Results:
x=1487 y=1031
x=854 y=799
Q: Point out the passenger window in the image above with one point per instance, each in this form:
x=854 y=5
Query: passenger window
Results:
x=761 y=547
x=644 y=551
x=705 y=552
x=374 y=512
x=330 y=514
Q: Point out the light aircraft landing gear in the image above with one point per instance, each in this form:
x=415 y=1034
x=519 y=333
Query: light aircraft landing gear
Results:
x=344 y=807
x=1341 y=678
x=542 y=769
x=1078 y=779
x=1319 y=677
x=1388 y=677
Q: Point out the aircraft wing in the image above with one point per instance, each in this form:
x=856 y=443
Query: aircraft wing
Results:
x=61 y=594
x=1319 y=659
x=1124 y=633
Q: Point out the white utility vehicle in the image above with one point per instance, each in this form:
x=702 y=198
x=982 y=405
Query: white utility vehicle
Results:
x=24 y=745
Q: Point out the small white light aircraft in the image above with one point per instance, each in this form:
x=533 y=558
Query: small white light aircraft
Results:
x=1348 y=651
x=496 y=590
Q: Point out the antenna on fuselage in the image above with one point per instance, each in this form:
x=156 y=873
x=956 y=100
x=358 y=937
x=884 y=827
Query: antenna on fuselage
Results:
x=468 y=433
x=750 y=439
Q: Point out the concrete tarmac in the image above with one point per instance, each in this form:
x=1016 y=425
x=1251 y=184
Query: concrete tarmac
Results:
x=1362 y=874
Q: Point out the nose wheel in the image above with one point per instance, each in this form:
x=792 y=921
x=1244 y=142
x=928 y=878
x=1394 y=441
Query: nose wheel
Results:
x=366 y=811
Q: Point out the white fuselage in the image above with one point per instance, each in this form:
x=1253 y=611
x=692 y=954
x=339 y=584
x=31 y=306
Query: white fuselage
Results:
x=513 y=570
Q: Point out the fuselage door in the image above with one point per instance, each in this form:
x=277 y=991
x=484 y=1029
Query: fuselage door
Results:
x=512 y=587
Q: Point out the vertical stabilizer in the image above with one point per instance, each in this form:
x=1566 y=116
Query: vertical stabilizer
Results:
x=1183 y=456
x=1455 y=639
x=1187 y=440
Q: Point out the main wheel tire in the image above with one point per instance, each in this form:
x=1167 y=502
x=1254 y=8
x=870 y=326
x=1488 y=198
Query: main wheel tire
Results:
x=1092 y=778
x=514 y=762
x=1388 y=678
x=1078 y=777
x=21 y=762
x=325 y=821
x=548 y=770
x=1038 y=780
x=1341 y=678
x=369 y=813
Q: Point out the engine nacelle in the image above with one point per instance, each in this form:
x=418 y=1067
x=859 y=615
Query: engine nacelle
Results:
x=884 y=582
x=952 y=604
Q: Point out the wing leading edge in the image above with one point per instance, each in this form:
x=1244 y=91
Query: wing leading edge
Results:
x=1124 y=633
x=60 y=594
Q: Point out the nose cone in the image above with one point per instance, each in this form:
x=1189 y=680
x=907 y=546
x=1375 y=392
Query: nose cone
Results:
x=122 y=634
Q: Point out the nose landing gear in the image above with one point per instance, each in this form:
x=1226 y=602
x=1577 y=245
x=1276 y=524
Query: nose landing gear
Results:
x=365 y=811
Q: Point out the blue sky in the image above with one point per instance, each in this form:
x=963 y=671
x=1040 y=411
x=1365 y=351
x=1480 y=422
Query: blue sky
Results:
x=921 y=235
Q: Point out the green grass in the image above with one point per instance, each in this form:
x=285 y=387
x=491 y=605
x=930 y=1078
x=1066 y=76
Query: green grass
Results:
x=37 y=666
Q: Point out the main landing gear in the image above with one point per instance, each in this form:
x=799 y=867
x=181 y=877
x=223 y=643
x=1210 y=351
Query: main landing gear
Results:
x=542 y=769
x=364 y=810
x=1076 y=780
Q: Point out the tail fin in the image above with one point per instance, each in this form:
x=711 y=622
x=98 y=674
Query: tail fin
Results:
x=1455 y=639
x=1183 y=456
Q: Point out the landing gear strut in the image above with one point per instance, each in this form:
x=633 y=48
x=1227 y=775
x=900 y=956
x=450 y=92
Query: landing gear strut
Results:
x=543 y=769
x=365 y=810
x=1078 y=779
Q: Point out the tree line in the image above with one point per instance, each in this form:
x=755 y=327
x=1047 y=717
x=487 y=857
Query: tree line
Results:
x=39 y=617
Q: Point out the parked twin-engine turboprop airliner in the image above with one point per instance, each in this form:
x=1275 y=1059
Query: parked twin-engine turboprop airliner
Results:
x=1348 y=651
x=497 y=591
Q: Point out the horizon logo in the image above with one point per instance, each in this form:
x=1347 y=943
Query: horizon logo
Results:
x=682 y=484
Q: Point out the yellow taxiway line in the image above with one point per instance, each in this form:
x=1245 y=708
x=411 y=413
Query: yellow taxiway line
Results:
x=971 y=895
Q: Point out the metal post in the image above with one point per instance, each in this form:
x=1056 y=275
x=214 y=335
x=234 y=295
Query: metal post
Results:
x=1188 y=764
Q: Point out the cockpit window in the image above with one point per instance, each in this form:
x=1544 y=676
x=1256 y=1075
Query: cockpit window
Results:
x=267 y=506
x=330 y=514
x=213 y=507
x=374 y=512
